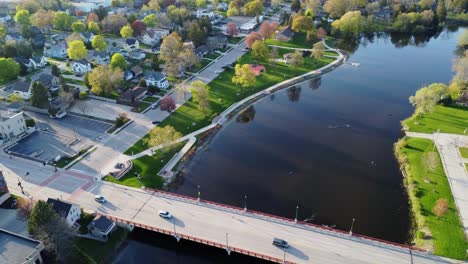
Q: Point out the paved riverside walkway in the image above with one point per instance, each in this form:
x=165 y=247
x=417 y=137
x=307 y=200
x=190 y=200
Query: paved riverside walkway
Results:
x=454 y=167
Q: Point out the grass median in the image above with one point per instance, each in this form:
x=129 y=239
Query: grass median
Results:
x=464 y=152
x=449 y=119
x=444 y=234
x=224 y=93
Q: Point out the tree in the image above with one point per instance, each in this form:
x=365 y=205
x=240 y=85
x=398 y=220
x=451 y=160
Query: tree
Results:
x=312 y=5
x=118 y=61
x=336 y=8
x=194 y=32
x=244 y=76
x=154 y=5
x=62 y=21
x=260 y=50
x=350 y=24
x=94 y=27
x=296 y=59
x=463 y=38
x=253 y=8
x=66 y=98
x=267 y=29
x=201 y=3
x=200 y=94
x=73 y=36
x=101 y=12
x=25 y=207
x=138 y=27
x=180 y=91
x=162 y=135
x=232 y=29
x=121 y=119
x=302 y=24
x=41 y=215
x=92 y=17
x=77 y=50
x=43 y=19
x=441 y=11
x=251 y=38
x=105 y=79
x=318 y=50
x=426 y=98
x=295 y=5
x=321 y=33
x=167 y=104
x=99 y=43
x=22 y=17
x=78 y=27
x=2 y=31
x=150 y=20
x=55 y=71
x=440 y=208
x=126 y=31
x=177 y=57
x=233 y=9
x=113 y=23
x=274 y=53
x=39 y=95
x=430 y=160
x=9 y=69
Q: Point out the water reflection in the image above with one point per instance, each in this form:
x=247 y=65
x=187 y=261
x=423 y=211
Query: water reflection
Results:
x=315 y=83
x=246 y=115
x=294 y=94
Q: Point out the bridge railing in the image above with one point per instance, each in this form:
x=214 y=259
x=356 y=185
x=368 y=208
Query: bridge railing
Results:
x=195 y=239
x=284 y=219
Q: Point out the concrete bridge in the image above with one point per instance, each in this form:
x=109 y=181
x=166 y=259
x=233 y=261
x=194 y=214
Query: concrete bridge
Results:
x=245 y=231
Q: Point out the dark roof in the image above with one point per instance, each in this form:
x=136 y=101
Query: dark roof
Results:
x=37 y=59
x=287 y=32
x=15 y=106
x=22 y=60
x=128 y=73
x=130 y=41
x=82 y=61
x=134 y=93
x=202 y=50
x=101 y=223
x=219 y=38
x=101 y=54
x=15 y=35
x=22 y=86
x=45 y=79
x=154 y=75
x=87 y=35
x=61 y=208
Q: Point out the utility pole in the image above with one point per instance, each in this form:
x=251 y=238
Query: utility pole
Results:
x=245 y=203
x=198 y=193
x=352 y=225
x=297 y=211
x=284 y=256
x=227 y=245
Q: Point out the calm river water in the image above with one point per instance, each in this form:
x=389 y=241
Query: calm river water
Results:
x=324 y=145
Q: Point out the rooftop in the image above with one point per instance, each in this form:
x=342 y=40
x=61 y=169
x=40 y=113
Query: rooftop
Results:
x=16 y=248
x=61 y=208
x=102 y=223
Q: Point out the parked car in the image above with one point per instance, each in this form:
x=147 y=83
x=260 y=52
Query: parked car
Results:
x=165 y=214
x=280 y=243
x=156 y=122
x=119 y=165
x=99 y=199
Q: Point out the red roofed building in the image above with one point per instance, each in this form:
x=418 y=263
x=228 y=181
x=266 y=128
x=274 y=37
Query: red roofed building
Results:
x=257 y=69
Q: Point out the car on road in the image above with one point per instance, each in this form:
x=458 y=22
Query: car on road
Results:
x=218 y=71
x=99 y=199
x=280 y=243
x=165 y=214
x=156 y=122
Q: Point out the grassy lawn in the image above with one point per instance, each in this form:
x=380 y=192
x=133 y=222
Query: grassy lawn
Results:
x=65 y=160
x=425 y=187
x=148 y=167
x=142 y=106
x=150 y=99
x=74 y=81
x=98 y=251
x=330 y=53
x=297 y=41
x=224 y=93
x=199 y=66
x=464 y=152
x=212 y=55
x=234 y=40
x=449 y=119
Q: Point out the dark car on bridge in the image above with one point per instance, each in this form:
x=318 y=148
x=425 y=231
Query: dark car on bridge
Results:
x=280 y=243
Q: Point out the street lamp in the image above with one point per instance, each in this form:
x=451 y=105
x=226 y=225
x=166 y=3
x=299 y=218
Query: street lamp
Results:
x=297 y=211
x=352 y=225
x=20 y=185
x=284 y=256
x=9 y=152
x=55 y=167
x=198 y=186
x=245 y=203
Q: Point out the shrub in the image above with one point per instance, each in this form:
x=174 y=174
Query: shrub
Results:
x=441 y=207
x=83 y=94
x=30 y=123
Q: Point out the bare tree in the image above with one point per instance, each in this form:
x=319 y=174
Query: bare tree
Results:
x=441 y=207
x=430 y=161
x=66 y=98
x=83 y=107
x=25 y=207
x=180 y=91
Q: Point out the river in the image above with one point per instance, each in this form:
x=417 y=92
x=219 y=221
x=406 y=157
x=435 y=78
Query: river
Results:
x=323 y=146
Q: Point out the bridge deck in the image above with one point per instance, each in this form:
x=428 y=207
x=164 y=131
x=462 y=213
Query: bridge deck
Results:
x=250 y=232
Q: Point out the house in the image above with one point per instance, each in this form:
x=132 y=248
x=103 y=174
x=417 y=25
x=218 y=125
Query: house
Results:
x=5 y=19
x=89 y=5
x=58 y=50
x=285 y=35
x=71 y=212
x=203 y=13
x=251 y=24
x=217 y=42
x=132 y=95
x=202 y=51
x=11 y=125
x=222 y=7
x=463 y=99
x=14 y=36
x=25 y=62
x=87 y=36
x=22 y=89
x=15 y=107
x=189 y=44
x=20 y=249
x=80 y=66
x=131 y=44
x=128 y=75
x=157 y=79
x=257 y=69
x=137 y=71
x=152 y=36
x=101 y=57
x=136 y=55
x=38 y=61
x=101 y=227
x=48 y=80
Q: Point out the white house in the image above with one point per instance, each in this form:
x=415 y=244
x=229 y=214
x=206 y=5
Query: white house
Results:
x=71 y=212
x=87 y=36
x=152 y=36
x=89 y=5
x=131 y=44
x=101 y=227
x=157 y=79
x=136 y=55
x=100 y=57
x=12 y=124
x=22 y=89
x=15 y=36
x=58 y=50
x=38 y=61
x=80 y=66
x=5 y=19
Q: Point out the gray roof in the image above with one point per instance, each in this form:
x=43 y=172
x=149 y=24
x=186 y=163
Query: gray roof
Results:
x=130 y=41
x=45 y=79
x=134 y=93
x=22 y=86
x=101 y=223
x=101 y=54
x=154 y=75
x=61 y=208
x=16 y=248
x=87 y=35
x=82 y=61
x=15 y=106
x=137 y=70
x=37 y=59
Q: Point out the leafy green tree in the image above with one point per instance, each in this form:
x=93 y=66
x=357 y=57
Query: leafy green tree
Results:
x=78 y=26
x=302 y=24
x=101 y=12
x=162 y=135
x=260 y=50
x=99 y=43
x=2 y=31
x=9 y=69
x=22 y=17
x=200 y=94
x=201 y=3
x=233 y=9
x=427 y=97
x=441 y=11
x=296 y=59
x=94 y=27
x=105 y=79
x=41 y=215
x=253 y=8
x=126 y=31
x=318 y=50
x=336 y=8
x=154 y=5
x=350 y=24
x=43 y=19
x=150 y=20
x=55 y=71
x=244 y=76
x=39 y=95
x=118 y=61
x=295 y=5
x=63 y=21
x=77 y=50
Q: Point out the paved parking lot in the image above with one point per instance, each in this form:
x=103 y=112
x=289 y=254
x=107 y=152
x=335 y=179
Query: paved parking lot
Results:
x=100 y=109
